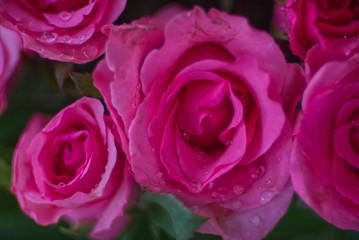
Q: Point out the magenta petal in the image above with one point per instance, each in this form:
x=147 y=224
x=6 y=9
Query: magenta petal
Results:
x=251 y=224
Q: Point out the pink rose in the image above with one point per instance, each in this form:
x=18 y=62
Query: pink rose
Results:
x=62 y=30
x=324 y=162
x=10 y=48
x=200 y=99
x=332 y=24
x=73 y=167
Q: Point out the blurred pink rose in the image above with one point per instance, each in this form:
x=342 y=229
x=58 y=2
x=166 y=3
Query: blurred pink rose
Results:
x=64 y=30
x=73 y=167
x=324 y=162
x=200 y=99
x=332 y=24
x=10 y=48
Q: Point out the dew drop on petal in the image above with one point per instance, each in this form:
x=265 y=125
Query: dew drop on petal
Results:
x=266 y=197
x=48 y=37
x=200 y=156
x=211 y=184
x=159 y=175
x=256 y=172
x=66 y=57
x=237 y=204
x=238 y=190
x=195 y=209
x=185 y=137
x=61 y=184
x=66 y=38
x=20 y=27
x=65 y=16
x=268 y=182
x=255 y=220
x=196 y=187
x=89 y=51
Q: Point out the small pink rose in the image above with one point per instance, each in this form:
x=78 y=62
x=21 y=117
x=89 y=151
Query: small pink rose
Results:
x=324 y=161
x=332 y=24
x=62 y=30
x=199 y=99
x=73 y=167
x=10 y=49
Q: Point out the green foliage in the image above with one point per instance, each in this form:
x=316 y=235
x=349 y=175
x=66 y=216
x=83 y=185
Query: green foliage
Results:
x=84 y=84
x=161 y=217
x=5 y=174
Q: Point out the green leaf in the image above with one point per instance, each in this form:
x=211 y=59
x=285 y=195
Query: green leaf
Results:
x=5 y=174
x=62 y=71
x=84 y=84
x=78 y=232
x=226 y=5
x=201 y=236
x=162 y=217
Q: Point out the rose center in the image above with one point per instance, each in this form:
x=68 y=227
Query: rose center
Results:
x=69 y=156
x=204 y=111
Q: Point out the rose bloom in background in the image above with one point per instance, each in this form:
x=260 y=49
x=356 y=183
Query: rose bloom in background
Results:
x=62 y=30
x=10 y=49
x=205 y=103
x=332 y=24
x=324 y=164
x=73 y=167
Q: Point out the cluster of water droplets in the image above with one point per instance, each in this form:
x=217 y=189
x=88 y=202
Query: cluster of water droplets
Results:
x=65 y=16
x=256 y=172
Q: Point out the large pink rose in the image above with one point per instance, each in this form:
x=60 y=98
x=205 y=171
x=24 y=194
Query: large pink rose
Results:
x=332 y=24
x=10 y=48
x=324 y=164
x=73 y=167
x=64 y=30
x=200 y=99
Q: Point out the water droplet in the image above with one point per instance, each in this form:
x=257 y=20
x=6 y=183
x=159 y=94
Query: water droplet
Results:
x=200 y=156
x=228 y=143
x=195 y=209
x=196 y=187
x=238 y=190
x=268 y=182
x=266 y=197
x=61 y=184
x=256 y=172
x=65 y=16
x=255 y=220
x=185 y=137
x=89 y=51
x=20 y=27
x=237 y=204
x=48 y=37
x=82 y=37
x=216 y=195
x=211 y=184
x=345 y=36
x=159 y=175
x=66 y=38
x=66 y=57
